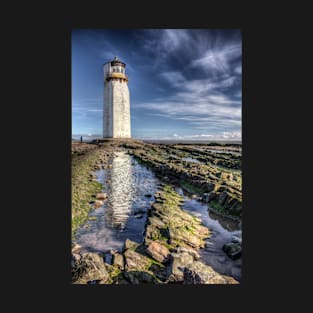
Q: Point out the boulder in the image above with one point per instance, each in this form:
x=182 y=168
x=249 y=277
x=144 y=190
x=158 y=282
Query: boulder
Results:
x=176 y=269
x=236 y=208
x=101 y=195
x=210 y=187
x=75 y=257
x=159 y=252
x=76 y=248
x=222 y=198
x=205 y=197
x=118 y=260
x=136 y=261
x=142 y=277
x=208 y=196
x=98 y=203
x=199 y=273
x=160 y=272
x=233 y=250
x=128 y=244
x=88 y=268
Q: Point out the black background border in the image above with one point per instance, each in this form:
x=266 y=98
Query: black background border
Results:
x=46 y=259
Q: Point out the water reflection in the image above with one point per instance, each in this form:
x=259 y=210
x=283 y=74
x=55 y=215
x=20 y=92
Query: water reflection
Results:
x=222 y=231
x=121 y=191
x=192 y=160
x=130 y=187
x=123 y=215
x=227 y=223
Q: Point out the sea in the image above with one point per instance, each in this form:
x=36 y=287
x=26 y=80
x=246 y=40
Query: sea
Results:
x=89 y=138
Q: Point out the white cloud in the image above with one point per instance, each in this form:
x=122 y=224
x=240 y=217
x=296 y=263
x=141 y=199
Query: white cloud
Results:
x=238 y=70
x=218 y=59
x=226 y=136
x=174 y=78
x=201 y=102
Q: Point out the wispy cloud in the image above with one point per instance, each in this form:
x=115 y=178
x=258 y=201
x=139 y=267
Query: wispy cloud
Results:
x=227 y=136
x=205 y=88
x=218 y=60
x=189 y=78
x=174 y=78
x=198 y=103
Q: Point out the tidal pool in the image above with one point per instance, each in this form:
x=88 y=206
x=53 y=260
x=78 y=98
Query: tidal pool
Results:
x=130 y=187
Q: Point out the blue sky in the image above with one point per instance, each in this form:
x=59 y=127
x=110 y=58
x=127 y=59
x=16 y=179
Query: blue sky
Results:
x=184 y=83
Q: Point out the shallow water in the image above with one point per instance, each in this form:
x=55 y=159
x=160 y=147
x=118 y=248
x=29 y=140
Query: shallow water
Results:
x=192 y=160
x=130 y=187
x=222 y=231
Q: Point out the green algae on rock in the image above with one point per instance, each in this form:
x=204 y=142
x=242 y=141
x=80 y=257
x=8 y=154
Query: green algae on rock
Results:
x=83 y=183
x=222 y=182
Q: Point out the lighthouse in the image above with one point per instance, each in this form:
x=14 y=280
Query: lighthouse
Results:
x=116 y=110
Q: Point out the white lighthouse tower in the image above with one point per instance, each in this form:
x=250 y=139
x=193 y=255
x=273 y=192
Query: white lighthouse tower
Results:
x=116 y=111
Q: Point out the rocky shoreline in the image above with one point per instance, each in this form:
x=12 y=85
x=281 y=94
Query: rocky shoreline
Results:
x=219 y=187
x=86 y=159
x=169 y=253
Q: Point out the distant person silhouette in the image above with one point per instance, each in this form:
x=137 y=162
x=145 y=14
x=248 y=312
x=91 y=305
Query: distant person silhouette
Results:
x=81 y=138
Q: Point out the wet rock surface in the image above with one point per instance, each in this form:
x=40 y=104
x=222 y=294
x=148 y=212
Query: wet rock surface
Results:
x=158 y=252
x=198 y=273
x=169 y=253
x=212 y=174
x=88 y=268
x=233 y=250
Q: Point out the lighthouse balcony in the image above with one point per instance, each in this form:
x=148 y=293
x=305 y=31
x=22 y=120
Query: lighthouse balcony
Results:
x=116 y=76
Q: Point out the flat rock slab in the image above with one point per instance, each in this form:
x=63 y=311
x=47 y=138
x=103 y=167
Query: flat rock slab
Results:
x=199 y=273
x=159 y=252
x=179 y=262
x=136 y=261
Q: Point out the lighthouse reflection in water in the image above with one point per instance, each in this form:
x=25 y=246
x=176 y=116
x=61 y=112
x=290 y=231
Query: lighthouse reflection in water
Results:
x=130 y=187
x=121 y=191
